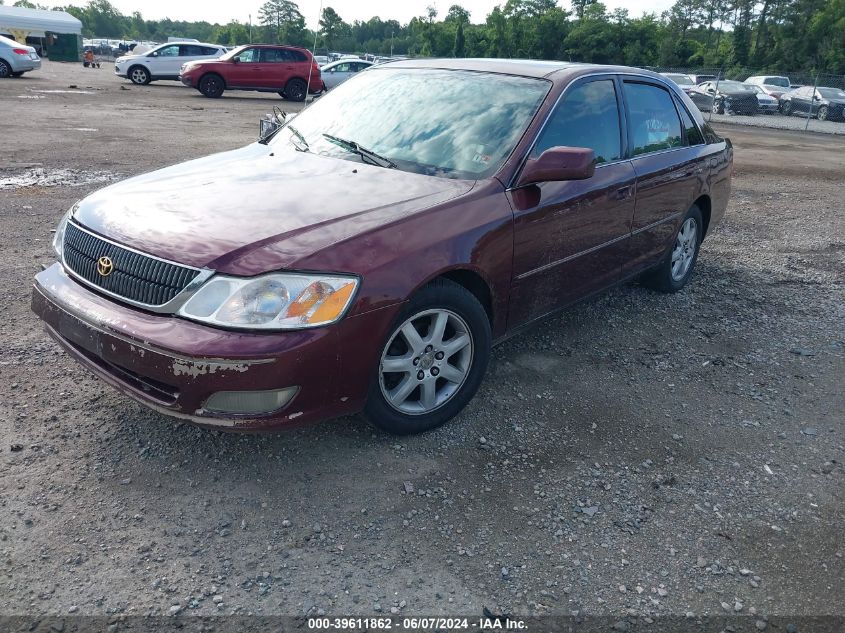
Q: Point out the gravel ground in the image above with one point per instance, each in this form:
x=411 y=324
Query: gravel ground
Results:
x=637 y=456
x=779 y=122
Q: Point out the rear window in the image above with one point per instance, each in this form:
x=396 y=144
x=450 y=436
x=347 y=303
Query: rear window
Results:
x=783 y=82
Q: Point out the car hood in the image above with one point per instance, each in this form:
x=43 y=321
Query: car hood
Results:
x=258 y=208
x=126 y=58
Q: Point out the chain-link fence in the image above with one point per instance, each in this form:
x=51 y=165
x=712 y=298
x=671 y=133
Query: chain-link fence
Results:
x=803 y=101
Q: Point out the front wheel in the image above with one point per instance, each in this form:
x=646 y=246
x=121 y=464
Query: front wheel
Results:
x=822 y=114
x=432 y=362
x=139 y=75
x=718 y=107
x=211 y=86
x=675 y=270
x=787 y=108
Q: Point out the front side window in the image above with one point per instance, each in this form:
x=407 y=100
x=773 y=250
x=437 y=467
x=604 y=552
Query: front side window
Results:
x=653 y=119
x=168 y=51
x=832 y=93
x=465 y=129
x=587 y=117
x=249 y=55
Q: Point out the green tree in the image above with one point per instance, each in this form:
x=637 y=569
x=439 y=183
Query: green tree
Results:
x=331 y=24
x=460 y=42
x=282 y=21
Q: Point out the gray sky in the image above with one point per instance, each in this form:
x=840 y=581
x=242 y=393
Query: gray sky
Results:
x=349 y=10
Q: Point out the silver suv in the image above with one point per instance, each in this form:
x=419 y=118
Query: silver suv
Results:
x=16 y=59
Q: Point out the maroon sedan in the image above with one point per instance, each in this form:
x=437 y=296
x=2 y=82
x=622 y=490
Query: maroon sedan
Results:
x=368 y=255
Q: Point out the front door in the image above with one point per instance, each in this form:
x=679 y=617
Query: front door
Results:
x=165 y=62
x=245 y=72
x=570 y=237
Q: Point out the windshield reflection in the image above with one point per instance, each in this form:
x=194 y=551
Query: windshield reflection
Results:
x=456 y=124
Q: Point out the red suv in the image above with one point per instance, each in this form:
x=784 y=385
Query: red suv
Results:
x=290 y=71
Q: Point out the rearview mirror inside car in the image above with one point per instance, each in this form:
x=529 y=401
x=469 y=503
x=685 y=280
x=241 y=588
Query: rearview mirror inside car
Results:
x=559 y=163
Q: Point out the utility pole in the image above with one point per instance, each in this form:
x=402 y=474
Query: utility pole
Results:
x=391 y=43
x=250 y=28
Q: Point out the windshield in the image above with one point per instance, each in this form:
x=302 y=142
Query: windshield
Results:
x=832 y=93
x=455 y=124
x=233 y=52
x=783 y=82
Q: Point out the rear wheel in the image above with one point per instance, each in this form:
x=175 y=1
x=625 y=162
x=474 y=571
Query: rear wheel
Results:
x=675 y=270
x=5 y=69
x=295 y=90
x=211 y=86
x=822 y=114
x=139 y=75
x=432 y=362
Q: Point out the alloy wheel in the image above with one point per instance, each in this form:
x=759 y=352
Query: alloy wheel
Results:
x=5 y=71
x=684 y=251
x=426 y=361
x=138 y=76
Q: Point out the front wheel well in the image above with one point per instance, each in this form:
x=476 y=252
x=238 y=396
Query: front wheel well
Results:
x=704 y=205
x=475 y=284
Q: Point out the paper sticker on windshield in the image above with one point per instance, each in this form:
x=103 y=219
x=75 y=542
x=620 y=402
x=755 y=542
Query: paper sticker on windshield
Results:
x=481 y=156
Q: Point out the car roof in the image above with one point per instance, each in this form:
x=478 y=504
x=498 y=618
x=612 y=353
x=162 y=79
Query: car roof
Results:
x=195 y=43
x=523 y=67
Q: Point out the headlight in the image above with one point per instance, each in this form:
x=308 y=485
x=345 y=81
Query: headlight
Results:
x=59 y=237
x=279 y=301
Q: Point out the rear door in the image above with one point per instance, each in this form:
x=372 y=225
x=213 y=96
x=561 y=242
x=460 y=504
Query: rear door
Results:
x=277 y=67
x=670 y=161
x=570 y=238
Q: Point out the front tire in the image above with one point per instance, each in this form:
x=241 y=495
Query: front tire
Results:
x=787 y=108
x=823 y=113
x=295 y=90
x=433 y=361
x=675 y=269
x=718 y=107
x=139 y=75
x=212 y=86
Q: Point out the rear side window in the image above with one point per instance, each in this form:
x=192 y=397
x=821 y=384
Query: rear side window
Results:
x=587 y=117
x=691 y=131
x=192 y=50
x=654 y=121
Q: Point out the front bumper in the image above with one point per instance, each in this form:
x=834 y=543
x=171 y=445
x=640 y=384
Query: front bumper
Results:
x=186 y=80
x=174 y=365
x=120 y=72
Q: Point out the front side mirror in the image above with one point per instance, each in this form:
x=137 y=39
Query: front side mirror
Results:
x=557 y=164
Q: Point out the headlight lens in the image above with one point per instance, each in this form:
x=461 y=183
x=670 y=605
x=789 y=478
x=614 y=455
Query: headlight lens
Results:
x=59 y=237
x=279 y=301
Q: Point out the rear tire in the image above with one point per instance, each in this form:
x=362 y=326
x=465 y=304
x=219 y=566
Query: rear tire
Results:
x=212 y=86
x=438 y=366
x=5 y=69
x=139 y=75
x=295 y=90
x=675 y=269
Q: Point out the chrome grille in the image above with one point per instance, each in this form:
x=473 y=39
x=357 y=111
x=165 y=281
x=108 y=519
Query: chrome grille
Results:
x=136 y=277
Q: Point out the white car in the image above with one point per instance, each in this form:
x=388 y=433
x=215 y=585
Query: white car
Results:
x=337 y=72
x=773 y=85
x=765 y=102
x=164 y=61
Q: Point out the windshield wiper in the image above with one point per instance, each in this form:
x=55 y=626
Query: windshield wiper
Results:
x=363 y=152
x=305 y=147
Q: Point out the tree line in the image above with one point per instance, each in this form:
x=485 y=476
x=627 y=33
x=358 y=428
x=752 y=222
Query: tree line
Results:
x=769 y=35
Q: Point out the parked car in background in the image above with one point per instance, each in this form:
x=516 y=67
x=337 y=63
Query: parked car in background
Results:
x=337 y=72
x=321 y=60
x=725 y=97
x=825 y=103
x=684 y=81
x=765 y=103
x=367 y=256
x=286 y=70
x=773 y=85
x=163 y=61
x=17 y=59
x=700 y=79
